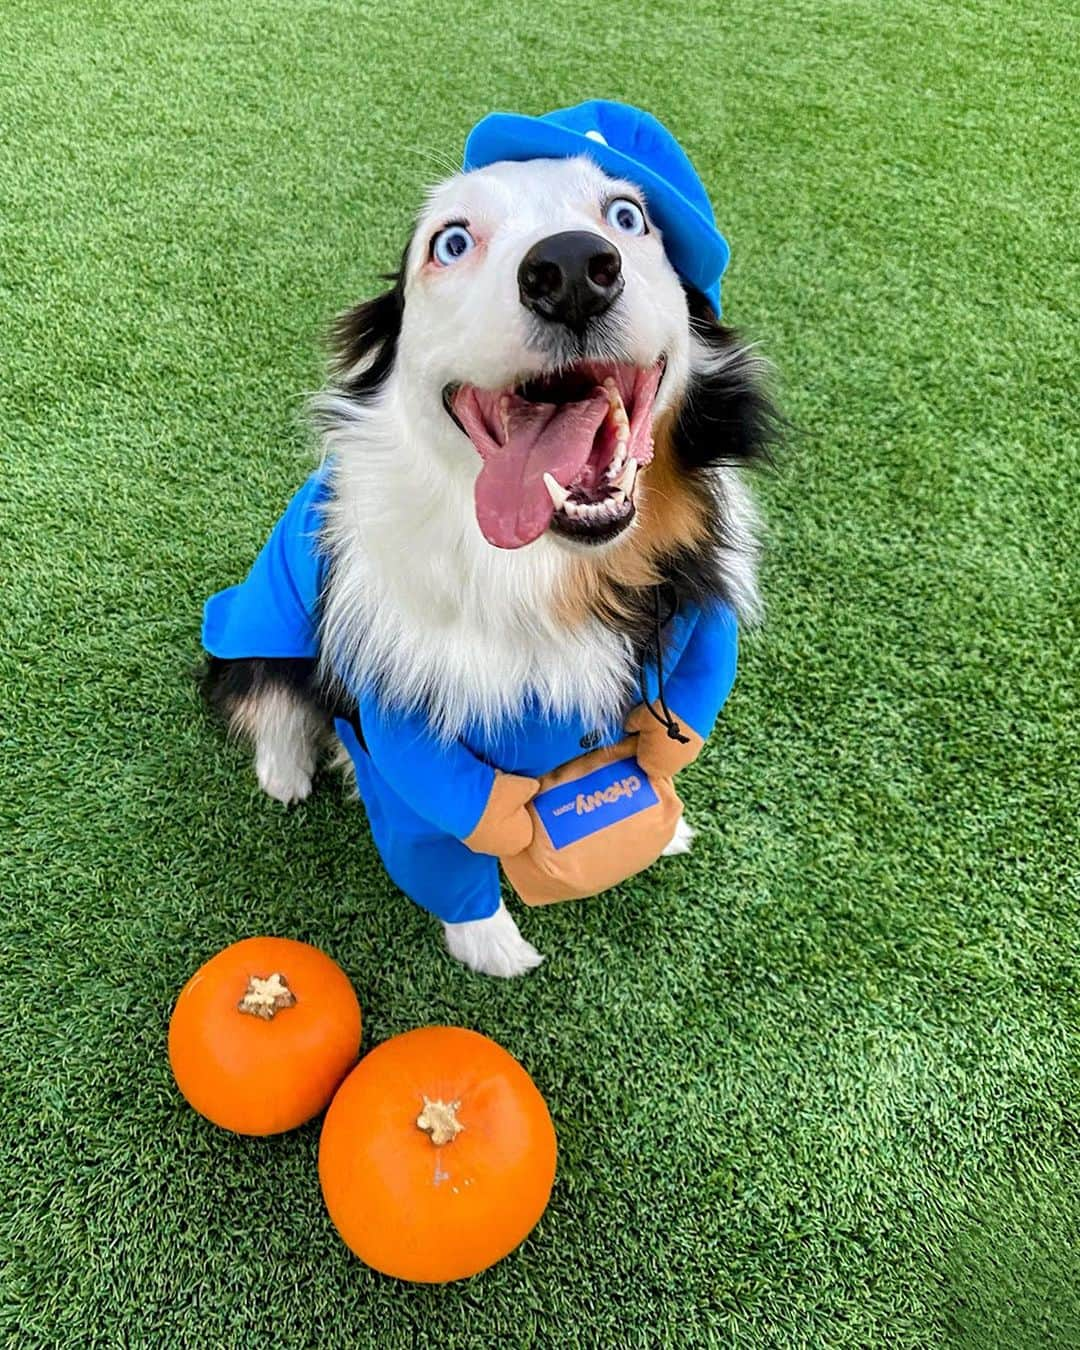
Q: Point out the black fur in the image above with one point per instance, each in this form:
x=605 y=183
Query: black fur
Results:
x=726 y=419
x=226 y=683
x=369 y=333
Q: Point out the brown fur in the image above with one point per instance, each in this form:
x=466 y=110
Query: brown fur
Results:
x=672 y=513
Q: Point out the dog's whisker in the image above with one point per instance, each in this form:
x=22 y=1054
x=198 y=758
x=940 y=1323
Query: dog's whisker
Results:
x=439 y=158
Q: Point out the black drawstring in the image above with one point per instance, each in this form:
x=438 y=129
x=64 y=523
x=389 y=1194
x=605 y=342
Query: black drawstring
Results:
x=674 y=731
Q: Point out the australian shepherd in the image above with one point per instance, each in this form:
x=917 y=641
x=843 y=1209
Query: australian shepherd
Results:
x=534 y=432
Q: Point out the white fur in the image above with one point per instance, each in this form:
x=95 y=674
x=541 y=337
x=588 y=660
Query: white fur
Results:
x=418 y=599
x=492 y=946
x=287 y=732
x=682 y=840
x=738 y=561
x=466 y=323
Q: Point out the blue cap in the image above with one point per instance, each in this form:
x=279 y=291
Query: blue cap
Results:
x=626 y=143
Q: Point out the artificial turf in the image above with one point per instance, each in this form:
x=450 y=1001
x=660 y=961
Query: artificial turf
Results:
x=814 y=1085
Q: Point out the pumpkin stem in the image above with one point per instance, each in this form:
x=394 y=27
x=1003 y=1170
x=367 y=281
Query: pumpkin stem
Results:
x=440 y=1122
x=266 y=998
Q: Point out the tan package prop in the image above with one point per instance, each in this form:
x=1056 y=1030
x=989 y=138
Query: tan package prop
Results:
x=596 y=821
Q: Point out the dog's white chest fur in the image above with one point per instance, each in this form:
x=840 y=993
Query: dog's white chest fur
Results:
x=420 y=604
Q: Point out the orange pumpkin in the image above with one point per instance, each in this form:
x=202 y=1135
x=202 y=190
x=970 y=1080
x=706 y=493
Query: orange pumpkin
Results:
x=437 y=1155
x=262 y=1035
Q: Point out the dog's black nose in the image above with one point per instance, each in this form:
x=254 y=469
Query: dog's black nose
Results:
x=570 y=278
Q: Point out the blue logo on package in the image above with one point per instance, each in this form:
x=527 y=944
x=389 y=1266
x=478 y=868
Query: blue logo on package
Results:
x=574 y=810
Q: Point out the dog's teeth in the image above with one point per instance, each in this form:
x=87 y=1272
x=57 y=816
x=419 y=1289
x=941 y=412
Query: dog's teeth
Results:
x=615 y=403
x=615 y=468
x=556 y=492
x=626 y=482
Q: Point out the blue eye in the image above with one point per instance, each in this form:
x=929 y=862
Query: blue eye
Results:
x=625 y=215
x=451 y=243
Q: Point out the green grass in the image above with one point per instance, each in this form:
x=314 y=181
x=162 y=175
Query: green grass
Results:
x=814 y=1086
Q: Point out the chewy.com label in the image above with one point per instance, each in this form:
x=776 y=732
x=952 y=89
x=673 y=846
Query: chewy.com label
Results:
x=574 y=810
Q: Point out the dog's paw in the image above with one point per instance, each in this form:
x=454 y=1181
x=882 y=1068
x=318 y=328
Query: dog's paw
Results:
x=492 y=946
x=682 y=840
x=285 y=782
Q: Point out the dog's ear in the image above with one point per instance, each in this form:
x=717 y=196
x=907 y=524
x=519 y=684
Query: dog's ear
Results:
x=727 y=415
x=363 y=340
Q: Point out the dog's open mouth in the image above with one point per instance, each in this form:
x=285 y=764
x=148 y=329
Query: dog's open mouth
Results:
x=560 y=452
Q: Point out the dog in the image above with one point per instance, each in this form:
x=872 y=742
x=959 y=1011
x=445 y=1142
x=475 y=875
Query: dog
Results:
x=532 y=455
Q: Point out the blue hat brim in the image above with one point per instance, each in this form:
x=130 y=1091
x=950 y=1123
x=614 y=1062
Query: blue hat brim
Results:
x=697 y=249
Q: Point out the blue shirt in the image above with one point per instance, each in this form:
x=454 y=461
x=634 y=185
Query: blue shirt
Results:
x=275 y=613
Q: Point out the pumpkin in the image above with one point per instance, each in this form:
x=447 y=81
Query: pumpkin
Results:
x=437 y=1155
x=262 y=1035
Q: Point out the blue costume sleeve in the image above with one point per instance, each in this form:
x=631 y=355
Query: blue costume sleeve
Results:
x=701 y=681
x=274 y=611
x=442 y=781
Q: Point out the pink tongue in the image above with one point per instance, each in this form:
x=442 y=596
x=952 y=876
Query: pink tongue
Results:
x=512 y=504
